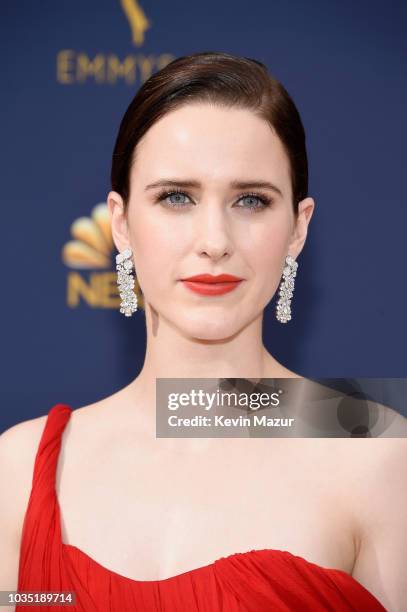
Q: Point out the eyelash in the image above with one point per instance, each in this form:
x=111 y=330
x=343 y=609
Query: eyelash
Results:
x=265 y=200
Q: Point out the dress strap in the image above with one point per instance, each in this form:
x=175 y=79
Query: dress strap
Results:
x=41 y=531
x=46 y=459
x=41 y=534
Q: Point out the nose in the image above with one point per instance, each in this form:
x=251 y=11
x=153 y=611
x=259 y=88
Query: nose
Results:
x=213 y=233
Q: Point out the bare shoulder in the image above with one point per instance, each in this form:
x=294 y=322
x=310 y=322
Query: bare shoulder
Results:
x=20 y=441
x=19 y=444
x=18 y=448
x=22 y=433
x=380 y=501
x=371 y=479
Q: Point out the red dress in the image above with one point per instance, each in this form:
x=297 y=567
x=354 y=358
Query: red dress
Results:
x=253 y=581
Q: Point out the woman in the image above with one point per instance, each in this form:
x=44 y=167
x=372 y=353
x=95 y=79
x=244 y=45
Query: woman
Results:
x=209 y=176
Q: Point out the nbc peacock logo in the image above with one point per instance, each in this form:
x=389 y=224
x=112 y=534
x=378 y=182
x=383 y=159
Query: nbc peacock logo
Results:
x=89 y=255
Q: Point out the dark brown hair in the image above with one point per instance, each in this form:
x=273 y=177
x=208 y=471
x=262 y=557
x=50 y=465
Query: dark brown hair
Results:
x=218 y=78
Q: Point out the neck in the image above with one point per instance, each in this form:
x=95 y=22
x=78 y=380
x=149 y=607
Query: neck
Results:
x=172 y=354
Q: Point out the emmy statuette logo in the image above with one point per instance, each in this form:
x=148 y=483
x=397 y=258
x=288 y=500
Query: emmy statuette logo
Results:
x=78 y=67
x=138 y=21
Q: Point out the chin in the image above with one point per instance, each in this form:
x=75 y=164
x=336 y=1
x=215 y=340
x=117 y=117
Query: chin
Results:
x=209 y=326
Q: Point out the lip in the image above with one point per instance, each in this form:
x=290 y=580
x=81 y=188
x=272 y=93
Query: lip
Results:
x=207 y=284
x=210 y=278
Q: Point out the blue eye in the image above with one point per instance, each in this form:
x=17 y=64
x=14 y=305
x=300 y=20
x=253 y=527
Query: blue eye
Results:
x=177 y=203
x=262 y=199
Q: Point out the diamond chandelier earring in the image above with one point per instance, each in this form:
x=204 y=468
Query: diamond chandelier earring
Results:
x=125 y=282
x=283 y=310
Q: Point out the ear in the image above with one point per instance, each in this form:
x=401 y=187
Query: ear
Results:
x=305 y=211
x=118 y=220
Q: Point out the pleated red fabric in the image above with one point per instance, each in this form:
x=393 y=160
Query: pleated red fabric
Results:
x=253 y=581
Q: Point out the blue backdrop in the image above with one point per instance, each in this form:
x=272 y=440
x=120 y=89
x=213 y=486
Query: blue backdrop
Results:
x=69 y=72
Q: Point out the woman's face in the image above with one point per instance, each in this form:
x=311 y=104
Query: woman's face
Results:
x=213 y=226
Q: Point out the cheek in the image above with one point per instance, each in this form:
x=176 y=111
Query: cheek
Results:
x=154 y=232
x=266 y=248
x=156 y=250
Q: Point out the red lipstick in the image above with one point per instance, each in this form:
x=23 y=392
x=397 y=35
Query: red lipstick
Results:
x=207 y=284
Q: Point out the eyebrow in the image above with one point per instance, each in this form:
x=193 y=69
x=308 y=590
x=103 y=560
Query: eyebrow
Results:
x=234 y=184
